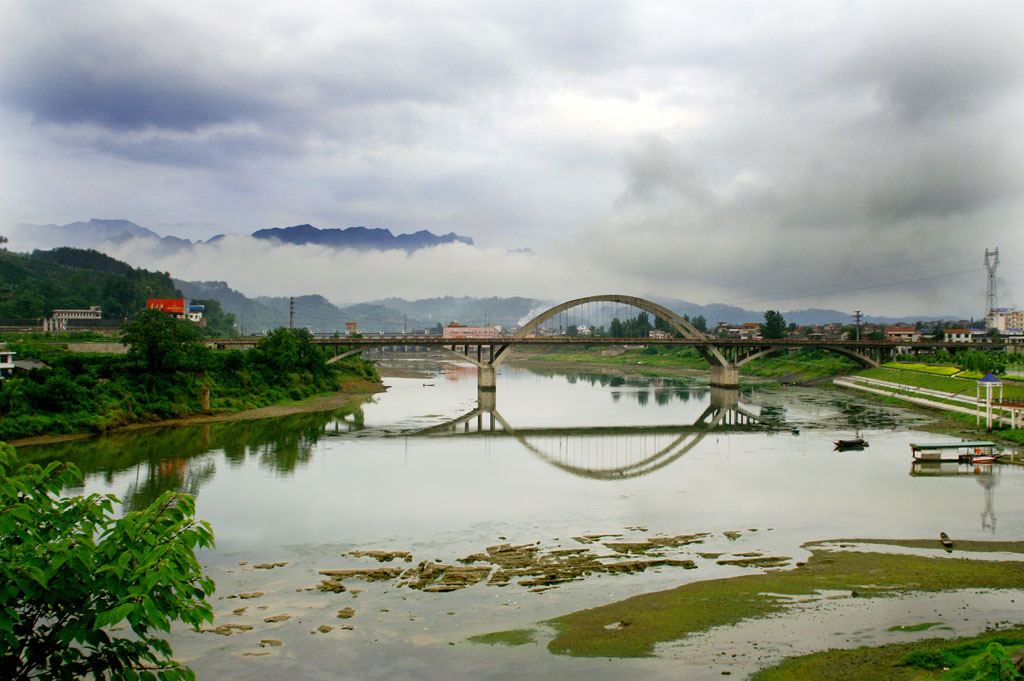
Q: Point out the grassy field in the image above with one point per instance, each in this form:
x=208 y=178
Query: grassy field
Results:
x=947 y=384
x=924 y=368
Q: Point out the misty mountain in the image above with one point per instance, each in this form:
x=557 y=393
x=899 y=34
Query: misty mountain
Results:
x=472 y=311
x=359 y=238
x=717 y=312
x=314 y=312
x=26 y=237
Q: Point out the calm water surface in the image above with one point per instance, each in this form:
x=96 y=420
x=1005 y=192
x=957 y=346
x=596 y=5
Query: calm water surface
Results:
x=421 y=469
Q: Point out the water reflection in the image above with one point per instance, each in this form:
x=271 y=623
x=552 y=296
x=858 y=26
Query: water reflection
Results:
x=180 y=458
x=613 y=452
x=988 y=477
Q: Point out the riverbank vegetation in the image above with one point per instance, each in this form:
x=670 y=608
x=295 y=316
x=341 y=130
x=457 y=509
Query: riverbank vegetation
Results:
x=167 y=373
x=803 y=366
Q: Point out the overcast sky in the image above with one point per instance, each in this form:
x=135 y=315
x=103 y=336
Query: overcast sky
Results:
x=856 y=155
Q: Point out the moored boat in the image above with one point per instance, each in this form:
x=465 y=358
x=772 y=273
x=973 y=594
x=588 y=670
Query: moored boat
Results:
x=856 y=443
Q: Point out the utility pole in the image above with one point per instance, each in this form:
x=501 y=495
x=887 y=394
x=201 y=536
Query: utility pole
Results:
x=991 y=263
x=291 y=313
x=856 y=314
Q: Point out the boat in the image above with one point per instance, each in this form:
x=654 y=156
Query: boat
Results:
x=856 y=443
x=983 y=459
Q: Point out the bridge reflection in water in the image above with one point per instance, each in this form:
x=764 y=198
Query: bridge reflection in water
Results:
x=608 y=452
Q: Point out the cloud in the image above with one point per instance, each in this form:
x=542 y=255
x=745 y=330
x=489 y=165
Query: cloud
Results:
x=700 y=150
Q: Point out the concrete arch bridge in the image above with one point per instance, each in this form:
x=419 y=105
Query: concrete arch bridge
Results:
x=724 y=355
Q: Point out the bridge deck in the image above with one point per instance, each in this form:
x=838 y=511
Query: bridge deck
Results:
x=436 y=341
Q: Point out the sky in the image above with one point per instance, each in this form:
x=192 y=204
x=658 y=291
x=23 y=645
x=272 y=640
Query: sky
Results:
x=782 y=155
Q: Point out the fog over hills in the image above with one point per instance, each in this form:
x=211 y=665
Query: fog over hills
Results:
x=349 y=251
x=394 y=315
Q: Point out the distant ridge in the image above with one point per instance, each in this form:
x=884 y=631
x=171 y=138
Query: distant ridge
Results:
x=96 y=232
x=359 y=238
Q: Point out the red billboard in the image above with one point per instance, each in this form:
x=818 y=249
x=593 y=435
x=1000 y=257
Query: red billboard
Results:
x=168 y=305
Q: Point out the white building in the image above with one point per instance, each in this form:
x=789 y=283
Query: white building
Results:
x=456 y=330
x=1003 y=318
x=956 y=335
x=6 y=361
x=59 y=319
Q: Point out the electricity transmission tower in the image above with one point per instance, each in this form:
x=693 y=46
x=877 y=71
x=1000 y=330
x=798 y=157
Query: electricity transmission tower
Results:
x=991 y=263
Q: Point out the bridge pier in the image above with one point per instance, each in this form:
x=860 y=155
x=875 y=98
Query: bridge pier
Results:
x=485 y=379
x=727 y=376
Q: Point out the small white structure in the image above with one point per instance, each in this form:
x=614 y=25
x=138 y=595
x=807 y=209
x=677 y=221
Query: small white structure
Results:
x=989 y=382
x=6 y=361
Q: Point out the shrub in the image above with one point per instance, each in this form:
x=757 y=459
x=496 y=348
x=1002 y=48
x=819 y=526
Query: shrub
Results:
x=69 y=571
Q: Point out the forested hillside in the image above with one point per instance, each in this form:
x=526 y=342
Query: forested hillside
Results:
x=32 y=286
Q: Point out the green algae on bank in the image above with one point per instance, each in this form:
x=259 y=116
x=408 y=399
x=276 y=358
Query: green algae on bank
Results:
x=513 y=637
x=670 y=615
x=958 y=545
x=917 y=661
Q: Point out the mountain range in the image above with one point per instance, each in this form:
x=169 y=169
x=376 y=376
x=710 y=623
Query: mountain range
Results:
x=95 y=232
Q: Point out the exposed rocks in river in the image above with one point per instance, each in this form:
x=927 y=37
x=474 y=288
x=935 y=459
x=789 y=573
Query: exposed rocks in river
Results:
x=269 y=566
x=651 y=543
x=347 y=612
x=228 y=629
x=383 y=556
x=761 y=561
x=277 y=618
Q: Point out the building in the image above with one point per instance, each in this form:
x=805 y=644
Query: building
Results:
x=458 y=331
x=6 y=361
x=658 y=334
x=178 y=308
x=195 y=314
x=902 y=333
x=750 y=331
x=1004 y=318
x=956 y=335
x=59 y=319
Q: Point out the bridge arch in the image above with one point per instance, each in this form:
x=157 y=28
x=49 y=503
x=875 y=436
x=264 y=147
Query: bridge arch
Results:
x=685 y=328
x=358 y=351
x=864 y=360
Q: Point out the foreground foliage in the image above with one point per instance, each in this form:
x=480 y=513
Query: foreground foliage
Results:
x=69 y=571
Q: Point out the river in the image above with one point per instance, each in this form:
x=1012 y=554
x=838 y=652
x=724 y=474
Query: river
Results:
x=566 y=464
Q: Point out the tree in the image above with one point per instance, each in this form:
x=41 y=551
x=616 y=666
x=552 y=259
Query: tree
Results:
x=700 y=323
x=286 y=350
x=161 y=343
x=70 y=571
x=774 y=325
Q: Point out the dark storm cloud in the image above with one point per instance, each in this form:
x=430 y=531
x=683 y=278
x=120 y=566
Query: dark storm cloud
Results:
x=65 y=92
